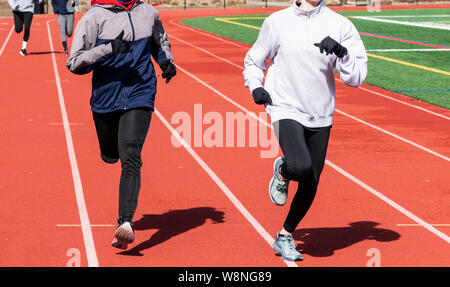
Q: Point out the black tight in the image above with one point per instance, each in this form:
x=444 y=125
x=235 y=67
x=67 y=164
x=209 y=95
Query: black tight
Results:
x=121 y=135
x=21 y=20
x=304 y=150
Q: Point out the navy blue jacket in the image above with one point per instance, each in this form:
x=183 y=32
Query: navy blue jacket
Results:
x=125 y=80
x=64 y=6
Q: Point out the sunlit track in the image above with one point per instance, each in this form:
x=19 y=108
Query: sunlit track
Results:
x=359 y=206
x=84 y=217
x=413 y=217
x=337 y=110
x=223 y=187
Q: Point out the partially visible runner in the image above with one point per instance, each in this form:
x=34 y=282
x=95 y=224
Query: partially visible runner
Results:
x=65 y=9
x=115 y=40
x=305 y=43
x=23 y=16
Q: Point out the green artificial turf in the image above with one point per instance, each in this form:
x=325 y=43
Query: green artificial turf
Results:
x=391 y=76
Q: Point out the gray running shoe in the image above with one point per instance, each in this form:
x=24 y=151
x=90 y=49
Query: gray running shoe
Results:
x=278 y=188
x=285 y=246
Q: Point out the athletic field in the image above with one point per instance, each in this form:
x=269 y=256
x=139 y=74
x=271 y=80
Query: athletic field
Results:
x=383 y=197
x=401 y=44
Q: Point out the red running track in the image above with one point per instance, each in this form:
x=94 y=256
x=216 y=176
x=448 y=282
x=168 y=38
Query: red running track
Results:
x=384 y=188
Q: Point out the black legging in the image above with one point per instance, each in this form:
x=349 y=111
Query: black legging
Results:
x=304 y=150
x=22 y=19
x=121 y=135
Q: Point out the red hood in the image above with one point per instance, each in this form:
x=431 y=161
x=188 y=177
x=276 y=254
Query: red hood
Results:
x=127 y=4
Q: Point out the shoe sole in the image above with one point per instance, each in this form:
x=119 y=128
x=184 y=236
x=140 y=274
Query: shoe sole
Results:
x=271 y=181
x=118 y=244
x=124 y=235
x=122 y=238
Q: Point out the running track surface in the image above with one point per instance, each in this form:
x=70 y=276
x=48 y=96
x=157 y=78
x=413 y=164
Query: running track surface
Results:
x=384 y=192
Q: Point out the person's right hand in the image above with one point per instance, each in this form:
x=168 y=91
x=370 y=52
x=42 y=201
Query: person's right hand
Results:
x=261 y=96
x=119 y=45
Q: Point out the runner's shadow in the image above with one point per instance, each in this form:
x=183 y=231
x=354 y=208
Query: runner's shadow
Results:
x=323 y=242
x=44 y=53
x=172 y=223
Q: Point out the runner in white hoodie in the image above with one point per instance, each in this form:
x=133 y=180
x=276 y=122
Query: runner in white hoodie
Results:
x=23 y=16
x=304 y=44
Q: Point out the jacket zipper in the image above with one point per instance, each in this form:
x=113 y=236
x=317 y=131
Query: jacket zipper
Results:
x=133 y=38
x=132 y=26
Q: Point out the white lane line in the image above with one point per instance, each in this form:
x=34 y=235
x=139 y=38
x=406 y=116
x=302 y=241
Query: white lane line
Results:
x=334 y=166
x=424 y=25
x=6 y=41
x=337 y=110
x=414 y=225
x=402 y=102
x=411 y=16
x=82 y=210
x=206 y=52
x=364 y=89
x=392 y=203
x=252 y=220
x=209 y=35
x=409 y=50
x=395 y=136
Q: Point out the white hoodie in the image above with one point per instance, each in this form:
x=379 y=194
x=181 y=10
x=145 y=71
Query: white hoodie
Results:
x=22 y=5
x=300 y=80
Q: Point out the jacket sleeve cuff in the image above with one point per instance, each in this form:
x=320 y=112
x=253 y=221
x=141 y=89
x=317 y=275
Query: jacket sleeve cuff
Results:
x=107 y=49
x=253 y=84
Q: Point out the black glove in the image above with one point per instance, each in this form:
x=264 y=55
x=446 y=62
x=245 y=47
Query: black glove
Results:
x=169 y=70
x=119 y=45
x=73 y=3
x=261 y=96
x=329 y=45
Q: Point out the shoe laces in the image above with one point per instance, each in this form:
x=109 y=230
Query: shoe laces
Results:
x=282 y=186
x=289 y=243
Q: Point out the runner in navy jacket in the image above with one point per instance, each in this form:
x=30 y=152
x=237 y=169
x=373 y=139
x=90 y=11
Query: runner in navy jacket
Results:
x=114 y=40
x=65 y=10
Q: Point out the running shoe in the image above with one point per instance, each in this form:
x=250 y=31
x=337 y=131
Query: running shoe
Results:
x=278 y=187
x=123 y=236
x=285 y=246
x=23 y=52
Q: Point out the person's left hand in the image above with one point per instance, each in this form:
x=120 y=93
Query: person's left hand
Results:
x=169 y=70
x=329 y=45
x=73 y=3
